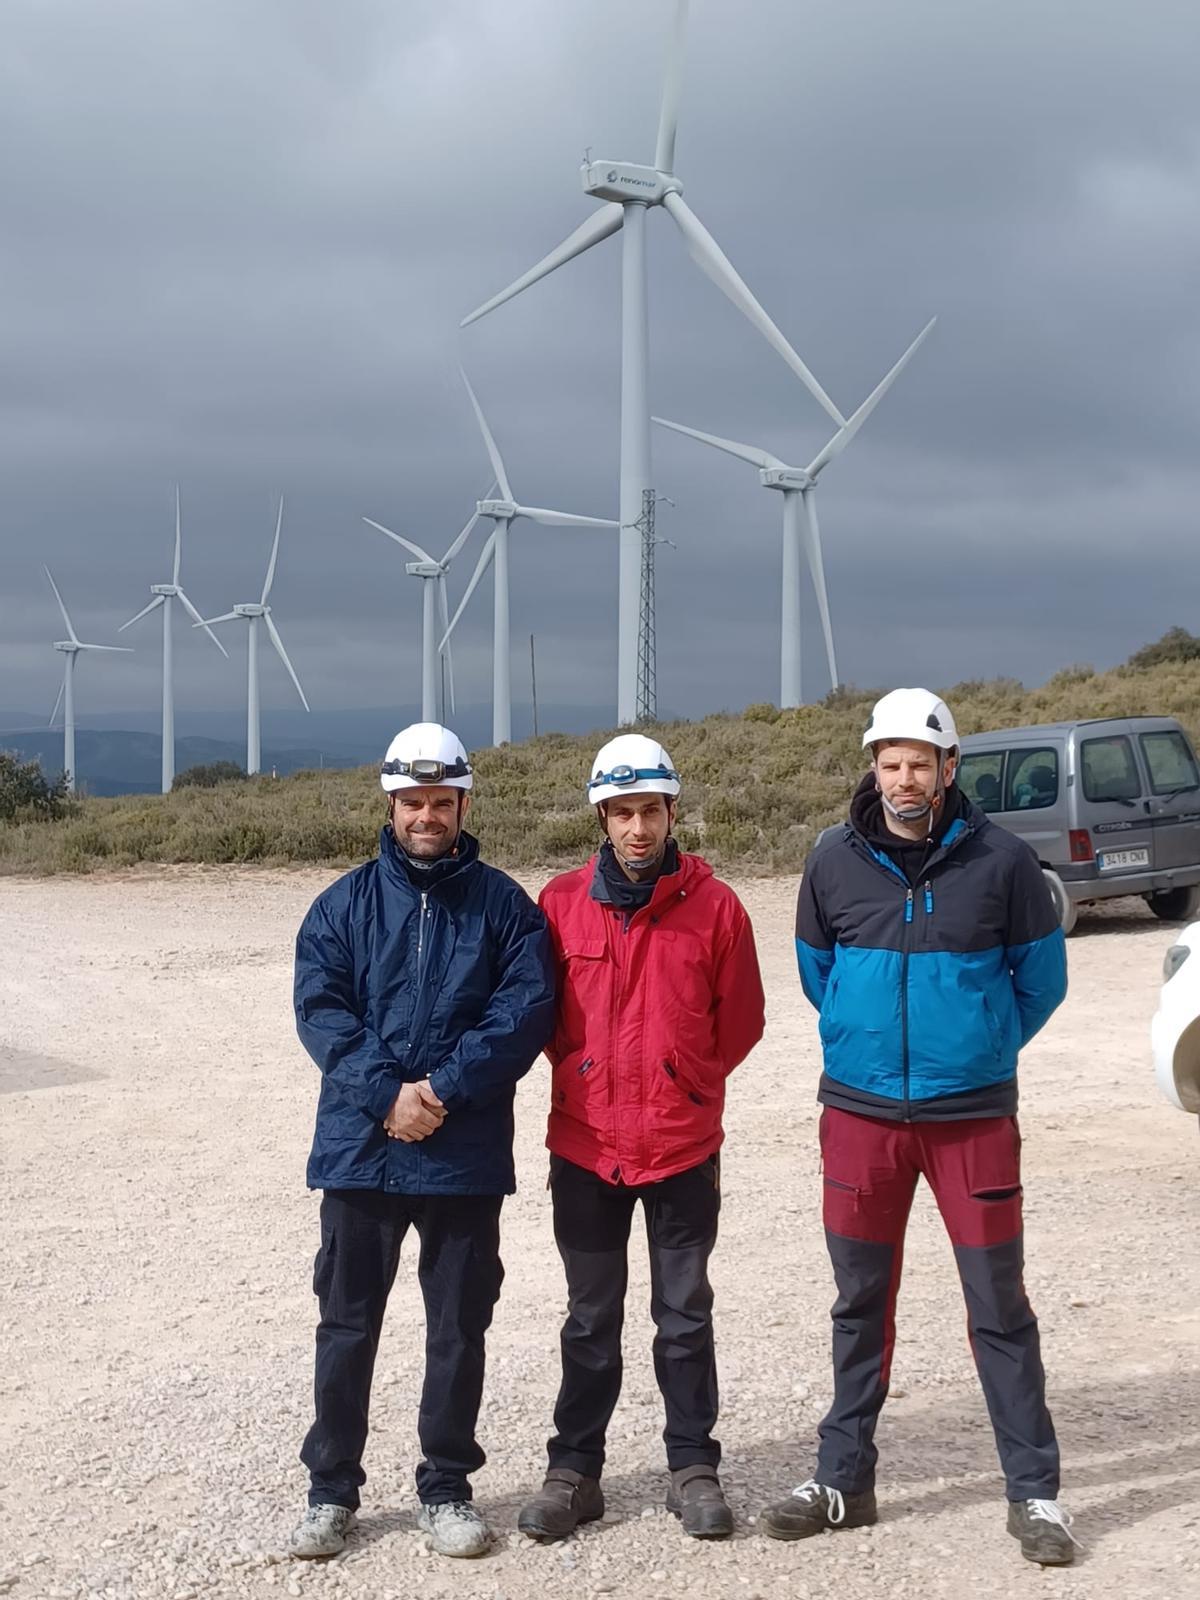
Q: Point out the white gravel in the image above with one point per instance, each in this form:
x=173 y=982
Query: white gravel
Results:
x=156 y=1319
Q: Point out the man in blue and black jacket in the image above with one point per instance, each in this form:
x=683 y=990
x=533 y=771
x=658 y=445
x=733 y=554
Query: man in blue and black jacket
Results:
x=928 y=941
x=424 y=990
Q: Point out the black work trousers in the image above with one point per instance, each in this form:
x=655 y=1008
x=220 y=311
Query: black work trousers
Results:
x=460 y=1274
x=592 y=1221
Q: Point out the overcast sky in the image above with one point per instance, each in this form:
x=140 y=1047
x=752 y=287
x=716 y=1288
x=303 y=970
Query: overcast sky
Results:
x=238 y=239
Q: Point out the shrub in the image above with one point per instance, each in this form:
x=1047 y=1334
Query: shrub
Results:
x=25 y=794
x=208 y=776
x=1177 y=644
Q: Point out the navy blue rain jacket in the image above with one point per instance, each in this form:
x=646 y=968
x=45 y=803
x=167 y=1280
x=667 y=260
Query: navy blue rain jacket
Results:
x=927 y=992
x=454 y=984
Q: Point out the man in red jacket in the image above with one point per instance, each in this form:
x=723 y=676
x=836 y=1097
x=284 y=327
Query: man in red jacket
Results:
x=659 y=998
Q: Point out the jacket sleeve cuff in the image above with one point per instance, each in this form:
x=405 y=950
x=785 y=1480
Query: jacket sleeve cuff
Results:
x=444 y=1084
x=380 y=1096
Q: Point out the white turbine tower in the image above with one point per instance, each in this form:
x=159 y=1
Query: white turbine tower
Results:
x=630 y=191
x=799 y=488
x=163 y=594
x=503 y=513
x=70 y=647
x=435 y=615
x=254 y=612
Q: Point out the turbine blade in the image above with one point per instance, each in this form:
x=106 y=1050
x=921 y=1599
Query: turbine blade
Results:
x=744 y=452
x=199 y=621
x=421 y=555
x=564 y=519
x=282 y=654
x=118 y=649
x=492 y=447
x=274 y=555
x=711 y=259
x=481 y=566
x=812 y=545
x=178 y=537
x=61 y=607
x=62 y=689
x=668 y=118
x=444 y=609
x=844 y=435
x=159 y=599
x=229 y=616
x=598 y=226
x=461 y=540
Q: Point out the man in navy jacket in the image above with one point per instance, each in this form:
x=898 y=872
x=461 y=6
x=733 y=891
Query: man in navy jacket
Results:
x=928 y=941
x=424 y=990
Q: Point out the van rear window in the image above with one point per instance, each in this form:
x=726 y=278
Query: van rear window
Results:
x=1109 y=770
x=1032 y=779
x=979 y=778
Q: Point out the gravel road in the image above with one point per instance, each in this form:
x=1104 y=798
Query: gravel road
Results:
x=156 y=1316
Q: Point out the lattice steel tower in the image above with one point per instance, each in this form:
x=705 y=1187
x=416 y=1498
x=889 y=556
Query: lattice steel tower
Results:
x=647 y=688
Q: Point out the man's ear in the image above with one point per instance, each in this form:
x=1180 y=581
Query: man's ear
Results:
x=464 y=806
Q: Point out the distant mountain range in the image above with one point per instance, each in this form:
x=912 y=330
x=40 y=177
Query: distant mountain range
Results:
x=121 y=752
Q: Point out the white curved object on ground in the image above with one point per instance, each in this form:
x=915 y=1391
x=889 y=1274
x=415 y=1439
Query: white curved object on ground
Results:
x=1175 y=1028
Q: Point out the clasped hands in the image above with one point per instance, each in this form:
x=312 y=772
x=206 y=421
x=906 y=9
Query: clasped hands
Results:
x=416 y=1112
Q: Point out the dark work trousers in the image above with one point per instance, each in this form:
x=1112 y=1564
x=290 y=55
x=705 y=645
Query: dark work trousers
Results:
x=460 y=1275
x=592 y=1220
x=974 y=1169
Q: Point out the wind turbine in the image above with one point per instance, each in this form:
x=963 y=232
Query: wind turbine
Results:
x=503 y=513
x=629 y=192
x=433 y=603
x=799 y=488
x=163 y=594
x=254 y=612
x=71 y=646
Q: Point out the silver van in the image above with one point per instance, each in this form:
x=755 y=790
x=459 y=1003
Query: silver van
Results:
x=1111 y=806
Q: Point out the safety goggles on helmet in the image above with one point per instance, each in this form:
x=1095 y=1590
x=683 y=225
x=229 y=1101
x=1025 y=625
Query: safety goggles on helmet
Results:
x=426 y=769
x=623 y=775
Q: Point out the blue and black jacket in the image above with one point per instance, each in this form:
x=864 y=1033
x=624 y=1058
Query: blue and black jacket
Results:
x=451 y=978
x=928 y=981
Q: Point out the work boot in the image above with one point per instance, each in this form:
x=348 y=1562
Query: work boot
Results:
x=321 y=1532
x=455 y=1528
x=697 y=1499
x=1044 y=1530
x=812 y=1507
x=565 y=1500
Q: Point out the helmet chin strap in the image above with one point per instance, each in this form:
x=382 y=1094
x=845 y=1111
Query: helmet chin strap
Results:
x=928 y=808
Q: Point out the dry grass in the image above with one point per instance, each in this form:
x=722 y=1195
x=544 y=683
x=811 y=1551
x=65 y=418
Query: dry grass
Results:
x=757 y=787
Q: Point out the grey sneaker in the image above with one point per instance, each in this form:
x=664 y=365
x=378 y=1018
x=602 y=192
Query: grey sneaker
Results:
x=1044 y=1529
x=455 y=1529
x=321 y=1531
x=813 y=1507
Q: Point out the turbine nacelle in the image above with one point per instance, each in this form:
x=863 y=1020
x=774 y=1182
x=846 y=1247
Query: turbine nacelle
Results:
x=785 y=478
x=424 y=569
x=249 y=610
x=623 y=182
x=67 y=645
x=499 y=510
x=168 y=590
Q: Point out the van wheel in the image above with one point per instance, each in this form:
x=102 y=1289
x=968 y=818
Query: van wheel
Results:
x=1063 y=904
x=1176 y=905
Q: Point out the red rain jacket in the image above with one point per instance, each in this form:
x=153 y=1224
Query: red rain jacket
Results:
x=651 y=1021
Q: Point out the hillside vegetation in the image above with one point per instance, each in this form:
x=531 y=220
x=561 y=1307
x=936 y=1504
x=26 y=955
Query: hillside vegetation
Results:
x=758 y=786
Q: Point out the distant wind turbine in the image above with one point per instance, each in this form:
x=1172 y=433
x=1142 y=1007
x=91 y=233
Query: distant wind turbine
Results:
x=71 y=646
x=254 y=612
x=434 y=604
x=630 y=191
x=163 y=594
x=503 y=513
x=799 y=488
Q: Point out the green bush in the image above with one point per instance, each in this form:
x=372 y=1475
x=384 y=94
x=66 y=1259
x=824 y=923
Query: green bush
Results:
x=25 y=794
x=207 y=776
x=1177 y=644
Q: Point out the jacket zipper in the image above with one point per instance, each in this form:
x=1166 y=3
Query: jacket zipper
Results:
x=420 y=977
x=613 y=1073
x=908 y=916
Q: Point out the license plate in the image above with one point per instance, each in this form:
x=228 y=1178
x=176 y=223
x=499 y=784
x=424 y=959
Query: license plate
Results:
x=1119 y=860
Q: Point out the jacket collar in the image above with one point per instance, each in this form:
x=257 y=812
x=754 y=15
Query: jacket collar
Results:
x=693 y=870
x=451 y=872
x=968 y=821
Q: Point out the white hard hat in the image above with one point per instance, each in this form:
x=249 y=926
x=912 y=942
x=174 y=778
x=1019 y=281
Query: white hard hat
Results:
x=912 y=714
x=425 y=754
x=631 y=764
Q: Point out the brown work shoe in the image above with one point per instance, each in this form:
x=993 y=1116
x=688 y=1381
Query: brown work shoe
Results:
x=813 y=1507
x=565 y=1500
x=697 y=1499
